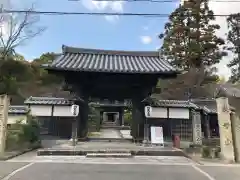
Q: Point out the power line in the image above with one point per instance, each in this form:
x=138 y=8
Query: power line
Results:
x=165 y=1
x=5 y=11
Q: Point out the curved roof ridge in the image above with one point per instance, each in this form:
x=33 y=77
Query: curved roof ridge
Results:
x=75 y=50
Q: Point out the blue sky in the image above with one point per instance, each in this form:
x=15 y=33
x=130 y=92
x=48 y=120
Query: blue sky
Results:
x=117 y=33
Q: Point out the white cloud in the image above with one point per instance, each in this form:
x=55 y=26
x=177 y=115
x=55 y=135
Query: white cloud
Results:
x=112 y=6
x=146 y=39
x=145 y=28
x=218 y=9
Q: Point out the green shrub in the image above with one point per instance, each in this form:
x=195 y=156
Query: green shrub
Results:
x=19 y=134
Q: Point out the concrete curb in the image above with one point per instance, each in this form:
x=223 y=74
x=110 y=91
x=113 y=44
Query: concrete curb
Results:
x=109 y=155
x=109 y=139
x=46 y=152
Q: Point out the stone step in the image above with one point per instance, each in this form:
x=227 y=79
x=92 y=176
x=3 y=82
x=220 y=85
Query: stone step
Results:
x=100 y=139
x=115 y=127
x=143 y=152
x=109 y=155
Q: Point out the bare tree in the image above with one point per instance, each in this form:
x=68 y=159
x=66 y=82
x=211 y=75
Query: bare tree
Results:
x=16 y=28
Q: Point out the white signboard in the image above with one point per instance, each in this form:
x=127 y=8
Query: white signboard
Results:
x=148 y=111
x=75 y=110
x=157 y=135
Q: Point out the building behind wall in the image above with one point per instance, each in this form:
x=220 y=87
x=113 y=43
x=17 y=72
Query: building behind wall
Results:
x=173 y=115
x=53 y=114
x=56 y=119
x=176 y=117
x=17 y=114
x=111 y=112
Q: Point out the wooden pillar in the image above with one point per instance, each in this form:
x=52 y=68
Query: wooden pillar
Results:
x=137 y=129
x=101 y=117
x=207 y=125
x=74 y=128
x=122 y=115
x=225 y=129
x=121 y=112
x=83 y=119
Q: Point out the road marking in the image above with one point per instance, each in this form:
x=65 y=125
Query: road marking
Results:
x=203 y=172
x=17 y=170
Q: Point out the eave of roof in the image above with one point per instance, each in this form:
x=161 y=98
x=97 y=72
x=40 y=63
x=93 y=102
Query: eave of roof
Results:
x=208 y=106
x=108 y=104
x=170 y=103
x=18 y=110
x=109 y=61
x=47 y=101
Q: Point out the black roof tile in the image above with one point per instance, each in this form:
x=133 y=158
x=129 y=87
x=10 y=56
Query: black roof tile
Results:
x=18 y=110
x=47 y=101
x=94 y=60
x=170 y=103
x=207 y=105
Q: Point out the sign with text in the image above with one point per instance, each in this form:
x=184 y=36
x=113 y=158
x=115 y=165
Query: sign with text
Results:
x=75 y=110
x=148 y=111
x=157 y=135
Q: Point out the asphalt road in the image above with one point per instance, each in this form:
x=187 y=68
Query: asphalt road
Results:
x=76 y=171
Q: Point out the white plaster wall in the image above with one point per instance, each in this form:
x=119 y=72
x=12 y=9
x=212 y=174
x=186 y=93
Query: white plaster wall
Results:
x=159 y=112
x=13 y=118
x=41 y=110
x=179 y=113
x=62 y=111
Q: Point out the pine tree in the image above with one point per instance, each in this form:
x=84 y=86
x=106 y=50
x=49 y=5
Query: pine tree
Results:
x=190 y=40
x=233 y=37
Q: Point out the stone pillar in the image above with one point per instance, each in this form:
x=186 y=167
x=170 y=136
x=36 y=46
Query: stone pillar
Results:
x=4 y=105
x=197 y=129
x=225 y=130
x=235 y=121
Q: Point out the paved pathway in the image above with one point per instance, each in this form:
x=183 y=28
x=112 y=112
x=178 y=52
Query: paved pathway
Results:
x=157 y=168
x=110 y=133
x=30 y=166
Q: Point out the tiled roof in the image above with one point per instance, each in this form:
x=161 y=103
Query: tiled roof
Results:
x=94 y=60
x=102 y=104
x=47 y=101
x=18 y=110
x=207 y=105
x=170 y=103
